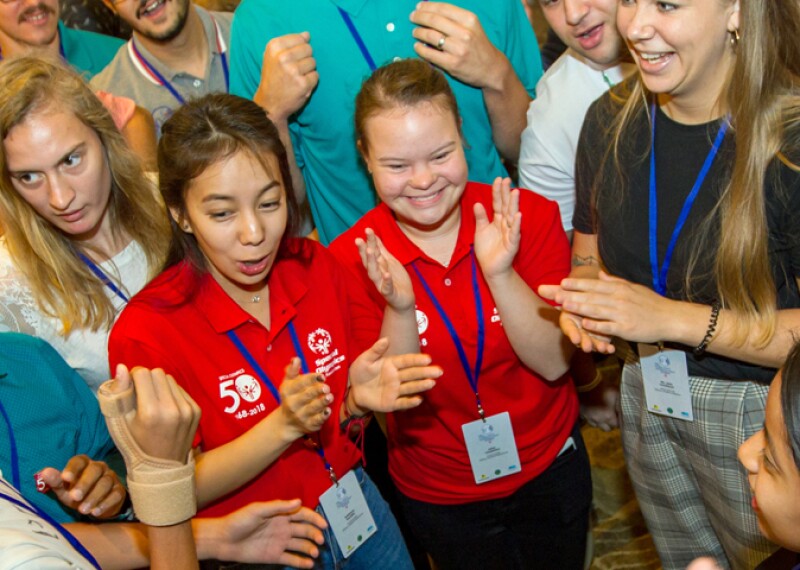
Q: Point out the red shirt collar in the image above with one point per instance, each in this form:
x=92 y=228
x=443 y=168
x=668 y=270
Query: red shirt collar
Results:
x=407 y=251
x=286 y=288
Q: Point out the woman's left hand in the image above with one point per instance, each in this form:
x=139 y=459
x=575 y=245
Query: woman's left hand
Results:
x=381 y=383
x=611 y=306
x=497 y=241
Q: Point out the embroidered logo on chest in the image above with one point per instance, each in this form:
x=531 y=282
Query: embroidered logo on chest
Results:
x=248 y=387
x=319 y=341
x=330 y=359
x=422 y=322
x=236 y=388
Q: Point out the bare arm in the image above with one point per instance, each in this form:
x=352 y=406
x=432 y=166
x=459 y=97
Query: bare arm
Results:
x=275 y=532
x=585 y=256
x=288 y=78
x=153 y=425
x=530 y=324
x=606 y=306
x=468 y=55
x=140 y=132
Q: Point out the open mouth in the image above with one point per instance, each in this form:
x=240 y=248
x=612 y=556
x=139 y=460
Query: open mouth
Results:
x=37 y=15
x=655 y=58
x=255 y=266
x=150 y=8
x=425 y=200
x=591 y=38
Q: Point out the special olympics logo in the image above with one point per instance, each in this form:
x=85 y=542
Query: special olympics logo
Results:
x=320 y=342
x=248 y=387
x=422 y=322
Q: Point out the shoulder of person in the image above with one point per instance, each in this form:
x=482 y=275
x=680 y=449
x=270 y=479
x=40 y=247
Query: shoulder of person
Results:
x=117 y=69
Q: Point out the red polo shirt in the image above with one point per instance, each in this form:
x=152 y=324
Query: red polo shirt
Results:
x=167 y=326
x=427 y=454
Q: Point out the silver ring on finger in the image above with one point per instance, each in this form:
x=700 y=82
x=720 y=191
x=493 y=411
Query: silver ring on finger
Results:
x=440 y=43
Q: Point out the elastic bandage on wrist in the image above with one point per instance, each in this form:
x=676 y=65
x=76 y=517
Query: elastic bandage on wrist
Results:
x=162 y=490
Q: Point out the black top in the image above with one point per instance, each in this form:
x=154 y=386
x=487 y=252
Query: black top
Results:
x=613 y=202
x=781 y=560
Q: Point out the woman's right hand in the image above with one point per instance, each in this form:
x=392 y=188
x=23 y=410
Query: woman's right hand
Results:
x=572 y=327
x=386 y=273
x=305 y=401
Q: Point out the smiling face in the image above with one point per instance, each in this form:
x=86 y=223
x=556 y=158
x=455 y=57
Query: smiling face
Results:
x=774 y=476
x=28 y=24
x=236 y=209
x=66 y=180
x=159 y=20
x=682 y=48
x=416 y=158
x=587 y=26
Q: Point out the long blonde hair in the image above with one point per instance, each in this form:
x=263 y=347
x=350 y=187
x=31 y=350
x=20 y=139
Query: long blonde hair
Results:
x=763 y=97
x=61 y=283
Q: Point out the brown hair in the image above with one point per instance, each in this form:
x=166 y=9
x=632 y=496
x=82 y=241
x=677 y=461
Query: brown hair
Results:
x=61 y=283
x=403 y=83
x=204 y=132
x=763 y=98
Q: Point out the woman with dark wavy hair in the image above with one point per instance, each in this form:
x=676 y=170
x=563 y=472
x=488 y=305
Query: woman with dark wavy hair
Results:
x=253 y=323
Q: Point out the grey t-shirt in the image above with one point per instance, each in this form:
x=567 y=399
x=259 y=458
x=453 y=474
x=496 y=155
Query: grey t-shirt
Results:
x=129 y=75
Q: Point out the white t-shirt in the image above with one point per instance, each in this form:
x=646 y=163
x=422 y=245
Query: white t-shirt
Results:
x=555 y=118
x=84 y=350
x=29 y=542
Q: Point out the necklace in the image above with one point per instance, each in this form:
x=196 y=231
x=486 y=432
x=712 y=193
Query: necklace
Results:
x=256 y=299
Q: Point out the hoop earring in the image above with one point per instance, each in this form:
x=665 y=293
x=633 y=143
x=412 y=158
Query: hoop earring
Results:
x=735 y=37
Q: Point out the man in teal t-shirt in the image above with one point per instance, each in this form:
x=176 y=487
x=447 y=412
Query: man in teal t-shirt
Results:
x=321 y=50
x=34 y=29
x=47 y=415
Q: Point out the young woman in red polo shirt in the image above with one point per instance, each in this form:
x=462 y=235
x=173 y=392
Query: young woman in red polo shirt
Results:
x=254 y=325
x=491 y=468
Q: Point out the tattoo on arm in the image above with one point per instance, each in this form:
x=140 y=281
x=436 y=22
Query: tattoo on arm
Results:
x=579 y=261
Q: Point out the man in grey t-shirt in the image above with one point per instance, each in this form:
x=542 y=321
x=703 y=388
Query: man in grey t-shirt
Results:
x=178 y=52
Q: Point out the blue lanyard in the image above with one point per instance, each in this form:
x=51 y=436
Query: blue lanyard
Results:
x=12 y=444
x=163 y=80
x=316 y=445
x=93 y=267
x=472 y=375
x=660 y=276
x=31 y=508
x=358 y=39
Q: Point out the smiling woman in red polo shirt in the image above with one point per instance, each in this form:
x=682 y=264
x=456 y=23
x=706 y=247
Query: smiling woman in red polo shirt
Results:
x=255 y=327
x=491 y=467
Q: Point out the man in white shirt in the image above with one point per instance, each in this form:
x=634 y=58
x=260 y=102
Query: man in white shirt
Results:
x=589 y=67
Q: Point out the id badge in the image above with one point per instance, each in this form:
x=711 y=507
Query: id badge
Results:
x=666 y=382
x=348 y=514
x=491 y=447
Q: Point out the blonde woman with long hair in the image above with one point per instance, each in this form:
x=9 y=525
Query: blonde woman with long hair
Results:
x=687 y=246
x=84 y=230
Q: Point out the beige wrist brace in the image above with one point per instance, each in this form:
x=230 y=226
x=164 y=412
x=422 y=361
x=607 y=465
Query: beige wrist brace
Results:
x=162 y=490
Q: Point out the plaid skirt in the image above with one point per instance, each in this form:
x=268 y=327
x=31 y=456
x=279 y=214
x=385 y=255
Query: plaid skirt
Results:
x=692 y=491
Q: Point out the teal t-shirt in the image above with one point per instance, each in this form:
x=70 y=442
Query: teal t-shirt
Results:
x=337 y=183
x=48 y=414
x=87 y=52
